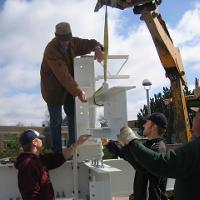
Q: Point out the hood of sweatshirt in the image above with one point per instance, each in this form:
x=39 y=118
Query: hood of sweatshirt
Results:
x=24 y=159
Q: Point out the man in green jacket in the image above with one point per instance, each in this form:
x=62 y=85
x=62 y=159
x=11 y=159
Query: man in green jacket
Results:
x=58 y=86
x=183 y=164
x=146 y=186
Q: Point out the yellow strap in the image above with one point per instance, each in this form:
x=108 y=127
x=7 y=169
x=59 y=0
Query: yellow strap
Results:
x=105 y=46
x=105 y=63
x=94 y=97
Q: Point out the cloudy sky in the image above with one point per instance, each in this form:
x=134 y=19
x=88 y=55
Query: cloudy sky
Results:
x=28 y=25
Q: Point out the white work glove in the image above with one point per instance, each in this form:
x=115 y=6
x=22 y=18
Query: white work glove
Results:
x=126 y=135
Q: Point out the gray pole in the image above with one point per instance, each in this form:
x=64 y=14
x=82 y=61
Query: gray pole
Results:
x=147 y=85
x=148 y=103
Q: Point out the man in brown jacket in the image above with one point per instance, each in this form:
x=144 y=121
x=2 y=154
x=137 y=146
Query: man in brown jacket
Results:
x=58 y=86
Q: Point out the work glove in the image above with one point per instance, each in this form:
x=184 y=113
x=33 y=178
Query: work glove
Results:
x=126 y=135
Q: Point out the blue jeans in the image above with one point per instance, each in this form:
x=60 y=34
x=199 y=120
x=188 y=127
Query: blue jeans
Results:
x=69 y=108
x=55 y=113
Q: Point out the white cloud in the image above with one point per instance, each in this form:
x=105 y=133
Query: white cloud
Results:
x=27 y=26
x=196 y=67
x=16 y=77
x=25 y=108
x=188 y=27
x=187 y=37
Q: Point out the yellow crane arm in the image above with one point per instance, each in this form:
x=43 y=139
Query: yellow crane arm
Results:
x=169 y=56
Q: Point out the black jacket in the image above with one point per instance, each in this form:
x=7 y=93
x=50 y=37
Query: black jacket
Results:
x=146 y=185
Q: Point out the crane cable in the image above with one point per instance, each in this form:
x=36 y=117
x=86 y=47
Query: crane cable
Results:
x=105 y=61
x=106 y=47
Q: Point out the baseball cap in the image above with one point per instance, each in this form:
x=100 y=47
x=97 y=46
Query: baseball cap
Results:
x=29 y=135
x=195 y=109
x=63 y=31
x=159 y=119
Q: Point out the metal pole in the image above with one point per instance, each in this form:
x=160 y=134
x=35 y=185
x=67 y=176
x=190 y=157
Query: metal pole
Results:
x=148 y=103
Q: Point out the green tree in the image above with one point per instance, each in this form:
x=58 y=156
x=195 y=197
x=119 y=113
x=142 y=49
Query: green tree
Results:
x=12 y=146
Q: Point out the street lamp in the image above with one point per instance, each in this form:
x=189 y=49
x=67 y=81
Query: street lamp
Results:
x=147 y=86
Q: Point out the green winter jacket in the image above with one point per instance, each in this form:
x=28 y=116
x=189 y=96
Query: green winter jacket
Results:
x=183 y=164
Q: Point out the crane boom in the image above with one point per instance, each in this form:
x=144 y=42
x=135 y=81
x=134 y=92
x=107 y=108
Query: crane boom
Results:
x=169 y=55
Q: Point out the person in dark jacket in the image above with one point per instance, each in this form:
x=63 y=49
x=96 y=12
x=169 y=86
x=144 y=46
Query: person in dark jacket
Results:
x=183 y=163
x=146 y=186
x=58 y=86
x=33 y=176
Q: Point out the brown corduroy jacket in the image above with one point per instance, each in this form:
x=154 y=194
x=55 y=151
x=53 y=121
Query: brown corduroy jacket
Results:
x=57 y=69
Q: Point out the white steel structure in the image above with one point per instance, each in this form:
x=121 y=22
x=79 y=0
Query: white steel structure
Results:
x=114 y=102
